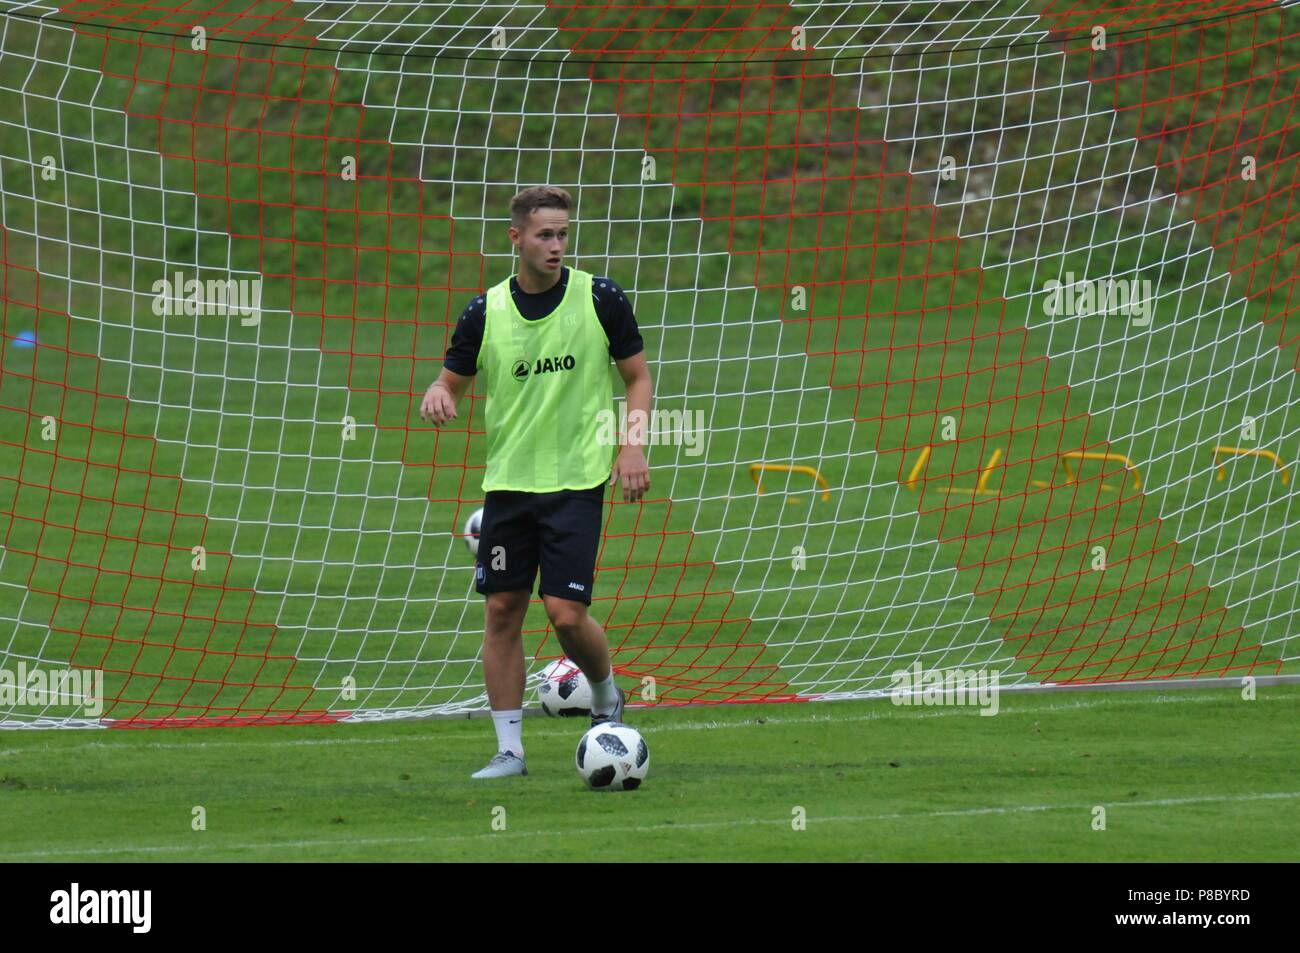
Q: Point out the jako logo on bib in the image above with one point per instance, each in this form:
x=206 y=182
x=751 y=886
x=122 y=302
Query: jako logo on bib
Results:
x=543 y=365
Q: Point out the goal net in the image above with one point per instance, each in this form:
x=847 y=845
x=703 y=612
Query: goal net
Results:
x=973 y=330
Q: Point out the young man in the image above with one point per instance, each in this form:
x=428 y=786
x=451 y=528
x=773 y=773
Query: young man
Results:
x=545 y=338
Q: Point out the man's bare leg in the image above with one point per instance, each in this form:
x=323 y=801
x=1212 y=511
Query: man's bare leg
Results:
x=581 y=636
x=503 y=674
x=584 y=642
x=503 y=649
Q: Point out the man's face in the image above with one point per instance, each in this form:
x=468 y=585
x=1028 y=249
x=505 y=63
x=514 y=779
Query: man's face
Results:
x=542 y=241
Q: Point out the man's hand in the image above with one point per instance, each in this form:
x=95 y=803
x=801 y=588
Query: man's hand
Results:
x=632 y=467
x=438 y=405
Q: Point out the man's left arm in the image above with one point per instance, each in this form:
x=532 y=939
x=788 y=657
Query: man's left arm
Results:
x=631 y=463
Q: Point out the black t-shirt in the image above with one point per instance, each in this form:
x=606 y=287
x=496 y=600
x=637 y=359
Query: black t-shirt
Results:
x=612 y=307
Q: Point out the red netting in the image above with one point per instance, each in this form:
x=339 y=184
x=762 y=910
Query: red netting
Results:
x=837 y=211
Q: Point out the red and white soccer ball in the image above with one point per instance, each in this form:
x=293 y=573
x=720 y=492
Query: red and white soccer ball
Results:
x=564 y=690
x=473 y=526
x=613 y=757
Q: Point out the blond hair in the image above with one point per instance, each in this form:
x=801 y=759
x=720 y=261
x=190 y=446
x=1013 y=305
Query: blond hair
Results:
x=539 y=196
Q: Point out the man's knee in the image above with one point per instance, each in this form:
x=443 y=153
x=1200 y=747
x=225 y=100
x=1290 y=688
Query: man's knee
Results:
x=505 y=613
x=566 y=616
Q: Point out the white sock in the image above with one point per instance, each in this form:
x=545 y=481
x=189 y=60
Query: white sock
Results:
x=604 y=696
x=510 y=729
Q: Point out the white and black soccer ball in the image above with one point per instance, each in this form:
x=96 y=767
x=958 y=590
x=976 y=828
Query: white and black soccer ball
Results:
x=473 y=526
x=564 y=690
x=613 y=757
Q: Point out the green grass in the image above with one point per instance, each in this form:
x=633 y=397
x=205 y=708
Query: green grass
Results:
x=329 y=560
x=1183 y=776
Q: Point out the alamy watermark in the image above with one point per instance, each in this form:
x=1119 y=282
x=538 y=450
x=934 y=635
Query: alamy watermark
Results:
x=1077 y=297
x=179 y=295
x=80 y=905
x=951 y=686
x=663 y=428
x=75 y=688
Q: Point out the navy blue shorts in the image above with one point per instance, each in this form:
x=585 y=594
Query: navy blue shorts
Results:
x=560 y=532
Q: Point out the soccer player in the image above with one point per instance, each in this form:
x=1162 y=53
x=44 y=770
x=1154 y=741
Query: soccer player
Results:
x=545 y=338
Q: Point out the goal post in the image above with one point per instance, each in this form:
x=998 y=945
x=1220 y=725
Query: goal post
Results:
x=973 y=336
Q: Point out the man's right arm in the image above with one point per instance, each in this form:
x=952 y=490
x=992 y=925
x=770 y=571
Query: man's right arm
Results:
x=440 y=400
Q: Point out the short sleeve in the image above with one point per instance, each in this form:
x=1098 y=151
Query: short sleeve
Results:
x=616 y=317
x=467 y=339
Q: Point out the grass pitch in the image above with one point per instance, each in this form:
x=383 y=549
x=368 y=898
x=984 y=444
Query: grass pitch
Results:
x=329 y=560
x=1184 y=776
